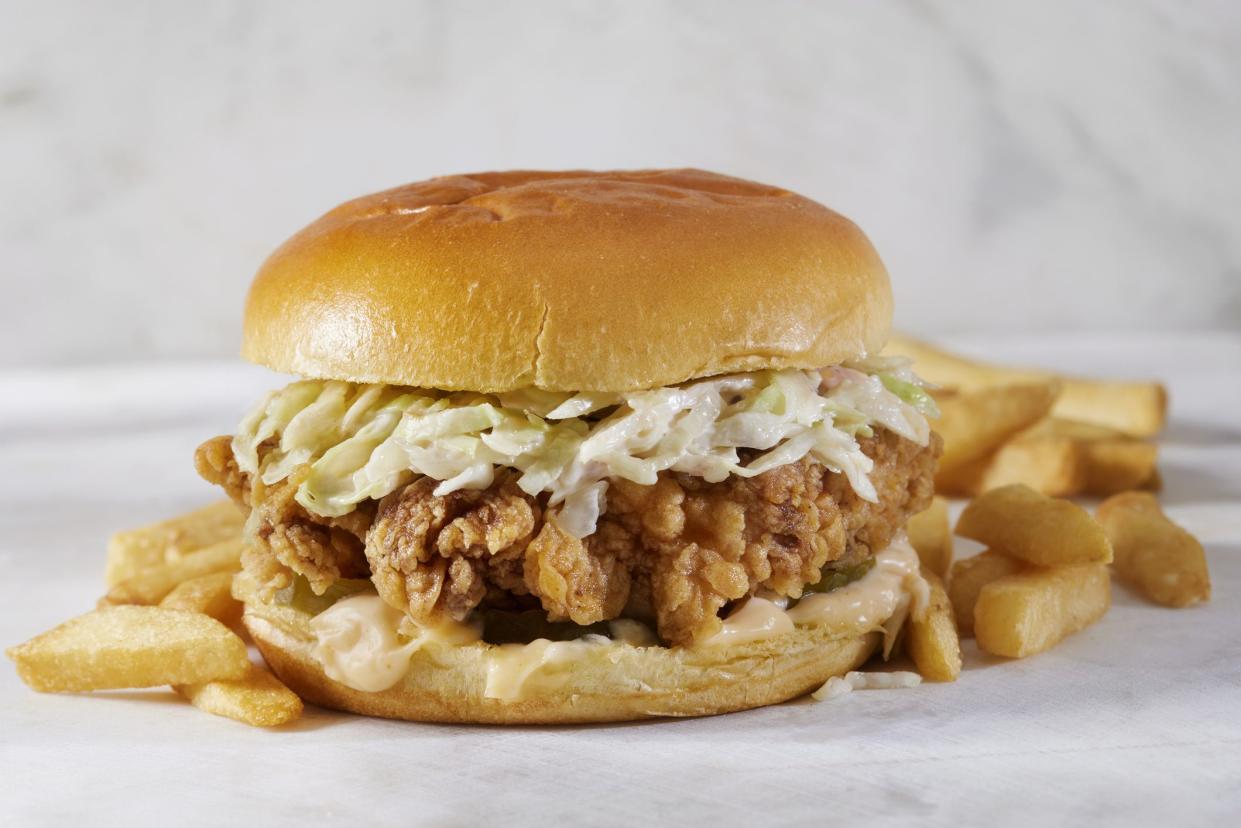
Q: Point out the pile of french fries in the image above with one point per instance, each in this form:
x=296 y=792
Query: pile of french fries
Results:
x=168 y=619
x=1043 y=577
x=1045 y=572
x=1060 y=436
x=1017 y=441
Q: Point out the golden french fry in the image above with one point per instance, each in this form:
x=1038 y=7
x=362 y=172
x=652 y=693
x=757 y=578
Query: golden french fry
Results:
x=119 y=647
x=136 y=550
x=1059 y=458
x=1137 y=408
x=1077 y=431
x=1141 y=502
x=969 y=576
x=1021 y=523
x=1163 y=561
x=1029 y=612
x=932 y=640
x=1111 y=461
x=258 y=699
x=1119 y=466
x=1050 y=465
x=976 y=423
x=930 y=534
x=208 y=594
x=150 y=587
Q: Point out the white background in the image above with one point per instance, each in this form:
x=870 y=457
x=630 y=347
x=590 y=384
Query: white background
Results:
x=1020 y=166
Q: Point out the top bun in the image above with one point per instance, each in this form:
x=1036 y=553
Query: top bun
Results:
x=568 y=281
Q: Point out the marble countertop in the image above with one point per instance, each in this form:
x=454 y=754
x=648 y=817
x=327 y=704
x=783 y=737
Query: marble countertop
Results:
x=1135 y=721
x=1061 y=164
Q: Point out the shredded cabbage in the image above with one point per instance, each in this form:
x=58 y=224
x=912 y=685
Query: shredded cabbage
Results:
x=364 y=441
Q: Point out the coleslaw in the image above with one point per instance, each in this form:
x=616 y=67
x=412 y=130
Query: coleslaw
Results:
x=365 y=441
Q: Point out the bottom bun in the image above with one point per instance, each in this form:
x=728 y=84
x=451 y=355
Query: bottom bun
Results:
x=605 y=683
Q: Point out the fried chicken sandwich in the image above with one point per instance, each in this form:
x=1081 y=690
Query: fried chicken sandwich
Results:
x=576 y=446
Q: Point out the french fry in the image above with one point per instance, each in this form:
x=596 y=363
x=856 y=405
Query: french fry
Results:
x=136 y=550
x=1031 y=611
x=120 y=647
x=259 y=699
x=1021 y=523
x=1136 y=408
x=932 y=640
x=930 y=534
x=976 y=423
x=1119 y=466
x=1059 y=458
x=150 y=587
x=1049 y=465
x=1111 y=460
x=208 y=594
x=1078 y=431
x=969 y=576
x=1163 y=561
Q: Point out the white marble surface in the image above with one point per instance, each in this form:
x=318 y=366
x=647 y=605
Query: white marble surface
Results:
x=1134 y=722
x=1020 y=166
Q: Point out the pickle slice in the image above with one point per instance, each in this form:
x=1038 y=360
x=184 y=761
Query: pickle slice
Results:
x=836 y=578
x=301 y=597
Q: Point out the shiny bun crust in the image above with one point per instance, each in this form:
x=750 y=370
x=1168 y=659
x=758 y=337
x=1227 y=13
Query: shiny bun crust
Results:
x=568 y=281
x=612 y=686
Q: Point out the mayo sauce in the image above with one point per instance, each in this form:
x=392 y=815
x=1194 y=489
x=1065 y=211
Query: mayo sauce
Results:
x=358 y=643
x=893 y=587
x=510 y=667
x=756 y=619
x=872 y=599
x=365 y=644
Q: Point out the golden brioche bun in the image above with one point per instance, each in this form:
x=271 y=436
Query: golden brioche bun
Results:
x=568 y=281
x=609 y=684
